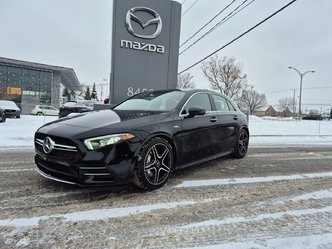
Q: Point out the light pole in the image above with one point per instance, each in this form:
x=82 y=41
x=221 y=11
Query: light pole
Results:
x=301 y=78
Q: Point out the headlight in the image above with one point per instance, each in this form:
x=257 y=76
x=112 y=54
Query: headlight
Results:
x=100 y=142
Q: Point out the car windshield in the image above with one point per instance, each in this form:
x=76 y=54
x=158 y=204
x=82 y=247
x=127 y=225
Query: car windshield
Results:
x=152 y=101
x=5 y=103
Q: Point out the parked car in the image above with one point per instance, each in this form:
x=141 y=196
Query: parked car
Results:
x=11 y=109
x=46 y=110
x=142 y=140
x=313 y=115
x=73 y=107
x=2 y=116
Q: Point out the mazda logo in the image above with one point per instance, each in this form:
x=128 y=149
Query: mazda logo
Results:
x=48 y=145
x=132 y=17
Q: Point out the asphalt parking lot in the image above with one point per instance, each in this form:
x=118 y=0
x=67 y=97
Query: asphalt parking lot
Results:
x=272 y=194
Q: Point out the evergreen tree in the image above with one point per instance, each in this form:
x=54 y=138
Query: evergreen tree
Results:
x=72 y=94
x=66 y=94
x=94 y=92
x=87 y=95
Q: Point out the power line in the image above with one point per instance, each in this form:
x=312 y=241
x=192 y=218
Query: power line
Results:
x=238 y=37
x=306 y=88
x=189 y=8
x=318 y=99
x=321 y=87
x=225 y=19
x=200 y=29
x=184 y=1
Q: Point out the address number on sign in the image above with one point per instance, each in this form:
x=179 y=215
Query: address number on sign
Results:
x=132 y=91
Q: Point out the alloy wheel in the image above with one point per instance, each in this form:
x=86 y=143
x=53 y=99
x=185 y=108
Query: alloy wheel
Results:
x=157 y=164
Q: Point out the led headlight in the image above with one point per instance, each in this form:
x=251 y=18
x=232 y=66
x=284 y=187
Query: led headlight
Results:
x=100 y=142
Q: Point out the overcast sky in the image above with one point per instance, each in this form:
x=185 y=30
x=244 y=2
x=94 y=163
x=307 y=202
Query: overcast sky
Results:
x=77 y=34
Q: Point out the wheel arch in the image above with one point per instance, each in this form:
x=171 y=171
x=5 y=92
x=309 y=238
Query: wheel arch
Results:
x=168 y=138
x=245 y=128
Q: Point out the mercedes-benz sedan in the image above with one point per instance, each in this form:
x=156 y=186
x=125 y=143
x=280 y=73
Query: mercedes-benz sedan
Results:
x=142 y=140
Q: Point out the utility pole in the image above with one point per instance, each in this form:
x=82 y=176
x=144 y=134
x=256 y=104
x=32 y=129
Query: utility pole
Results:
x=301 y=78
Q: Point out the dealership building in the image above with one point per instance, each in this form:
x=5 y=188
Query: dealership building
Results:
x=29 y=83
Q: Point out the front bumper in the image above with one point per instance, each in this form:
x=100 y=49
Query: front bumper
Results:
x=110 y=166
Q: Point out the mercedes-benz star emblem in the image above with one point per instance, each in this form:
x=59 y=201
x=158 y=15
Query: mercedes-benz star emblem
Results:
x=48 y=145
x=132 y=17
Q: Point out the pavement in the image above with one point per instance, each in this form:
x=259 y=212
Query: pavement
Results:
x=274 y=195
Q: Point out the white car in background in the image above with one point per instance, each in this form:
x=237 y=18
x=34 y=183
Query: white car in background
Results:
x=46 y=110
x=10 y=108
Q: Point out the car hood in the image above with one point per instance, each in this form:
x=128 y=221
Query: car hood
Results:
x=98 y=123
x=9 y=107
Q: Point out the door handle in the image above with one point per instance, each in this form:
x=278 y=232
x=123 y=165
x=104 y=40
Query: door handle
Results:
x=213 y=119
x=235 y=117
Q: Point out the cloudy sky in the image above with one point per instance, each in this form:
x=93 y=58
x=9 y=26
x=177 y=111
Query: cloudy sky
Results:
x=77 y=34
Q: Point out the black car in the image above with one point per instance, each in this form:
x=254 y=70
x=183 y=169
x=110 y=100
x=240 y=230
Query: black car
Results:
x=142 y=140
x=73 y=107
x=313 y=115
x=2 y=115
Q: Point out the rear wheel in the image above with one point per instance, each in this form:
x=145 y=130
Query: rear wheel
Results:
x=241 y=145
x=154 y=165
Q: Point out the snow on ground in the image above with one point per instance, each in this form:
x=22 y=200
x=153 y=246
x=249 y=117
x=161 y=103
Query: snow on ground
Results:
x=217 y=182
x=263 y=131
x=302 y=242
x=20 y=132
x=96 y=214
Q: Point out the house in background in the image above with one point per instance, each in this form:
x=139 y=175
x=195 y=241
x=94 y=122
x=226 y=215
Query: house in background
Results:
x=271 y=112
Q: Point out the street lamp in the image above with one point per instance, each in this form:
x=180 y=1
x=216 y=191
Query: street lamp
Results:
x=301 y=77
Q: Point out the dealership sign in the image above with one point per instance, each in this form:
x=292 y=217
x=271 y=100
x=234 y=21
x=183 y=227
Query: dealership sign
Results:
x=132 y=17
x=145 y=46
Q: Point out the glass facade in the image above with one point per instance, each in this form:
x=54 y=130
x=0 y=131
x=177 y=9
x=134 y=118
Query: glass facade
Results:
x=25 y=85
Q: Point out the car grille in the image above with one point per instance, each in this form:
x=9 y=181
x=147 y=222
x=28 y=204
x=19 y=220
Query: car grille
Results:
x=10 y=112
x=64 y=162
x=63 y=148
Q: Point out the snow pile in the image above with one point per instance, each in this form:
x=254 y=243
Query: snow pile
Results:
x=263 y=131
x=20 y=132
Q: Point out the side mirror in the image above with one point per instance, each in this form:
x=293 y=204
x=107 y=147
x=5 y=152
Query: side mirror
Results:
x=196 y=111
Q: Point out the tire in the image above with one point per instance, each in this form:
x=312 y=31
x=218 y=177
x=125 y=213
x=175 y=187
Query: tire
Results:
x=3 y=119
x=40 y=114
x=241 y=145
x=154 y=165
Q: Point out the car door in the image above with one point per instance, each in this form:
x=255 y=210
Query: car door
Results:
x=53 y=111
x=227 y=117
x=197 y=139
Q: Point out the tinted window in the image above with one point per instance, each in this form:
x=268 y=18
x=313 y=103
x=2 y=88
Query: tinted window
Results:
x=220 y=103
x=198 y=100
x=231 y=107
x=152 y=101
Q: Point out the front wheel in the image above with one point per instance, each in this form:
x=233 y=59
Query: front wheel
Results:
x=154 y=164
x=241 y=145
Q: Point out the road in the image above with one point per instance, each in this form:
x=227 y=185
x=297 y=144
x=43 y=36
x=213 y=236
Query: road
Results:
x=272 y=196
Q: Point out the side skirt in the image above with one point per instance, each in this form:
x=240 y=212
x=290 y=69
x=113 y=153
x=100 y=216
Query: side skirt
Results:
x=203 y=160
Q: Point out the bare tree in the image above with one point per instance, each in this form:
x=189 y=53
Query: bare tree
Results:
x=252 y=100
x=289 y=102
x=185 y=81
x=226 y=76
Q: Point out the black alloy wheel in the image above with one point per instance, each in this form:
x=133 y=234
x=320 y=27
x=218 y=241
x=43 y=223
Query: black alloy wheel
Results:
x=155 y=162
x=241 y=145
